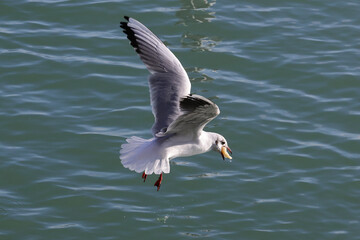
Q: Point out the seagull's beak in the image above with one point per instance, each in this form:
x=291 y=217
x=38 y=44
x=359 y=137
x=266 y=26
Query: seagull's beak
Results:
x=224 y=152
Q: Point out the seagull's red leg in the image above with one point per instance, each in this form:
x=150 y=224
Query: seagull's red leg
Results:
x=158 y=182
x=144 y=176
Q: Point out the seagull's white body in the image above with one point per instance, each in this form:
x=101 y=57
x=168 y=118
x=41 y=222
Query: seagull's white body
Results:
x=179 y=116
x=186 y=146
x=153 y=155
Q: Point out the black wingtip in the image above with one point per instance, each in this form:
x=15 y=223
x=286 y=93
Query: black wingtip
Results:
x=124 y=24
x=130 y=34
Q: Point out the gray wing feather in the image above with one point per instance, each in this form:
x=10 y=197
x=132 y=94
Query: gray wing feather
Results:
x=168 y=80
x=165 y=98
x=197 y=111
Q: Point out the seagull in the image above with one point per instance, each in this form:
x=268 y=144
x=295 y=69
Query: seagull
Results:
x=180 y=116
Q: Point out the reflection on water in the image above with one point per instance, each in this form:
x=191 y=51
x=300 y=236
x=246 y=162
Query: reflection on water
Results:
x=197 y=12
x=197 y=74
x=198 y=42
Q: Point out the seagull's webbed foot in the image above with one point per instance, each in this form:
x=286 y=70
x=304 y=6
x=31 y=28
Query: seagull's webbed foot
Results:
x=158 y=182
x=144 y=176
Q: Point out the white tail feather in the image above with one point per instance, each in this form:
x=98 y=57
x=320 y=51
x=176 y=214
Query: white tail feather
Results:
x=142 y=155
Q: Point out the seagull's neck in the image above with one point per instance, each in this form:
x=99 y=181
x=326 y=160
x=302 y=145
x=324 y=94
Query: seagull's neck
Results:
x=207 y=140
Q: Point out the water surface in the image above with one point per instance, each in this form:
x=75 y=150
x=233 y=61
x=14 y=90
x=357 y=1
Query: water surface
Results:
x=284 y=74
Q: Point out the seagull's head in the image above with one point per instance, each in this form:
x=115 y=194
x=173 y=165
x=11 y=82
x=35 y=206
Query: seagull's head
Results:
x=221 y=146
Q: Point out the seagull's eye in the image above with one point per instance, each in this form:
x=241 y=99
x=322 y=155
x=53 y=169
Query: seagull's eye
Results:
x=222 y=142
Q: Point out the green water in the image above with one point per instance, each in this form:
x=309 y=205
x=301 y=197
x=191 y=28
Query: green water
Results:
x=285 y=75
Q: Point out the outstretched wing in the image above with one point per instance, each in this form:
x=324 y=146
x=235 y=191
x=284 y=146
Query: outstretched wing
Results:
x=168 y=80
x=197 y=112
